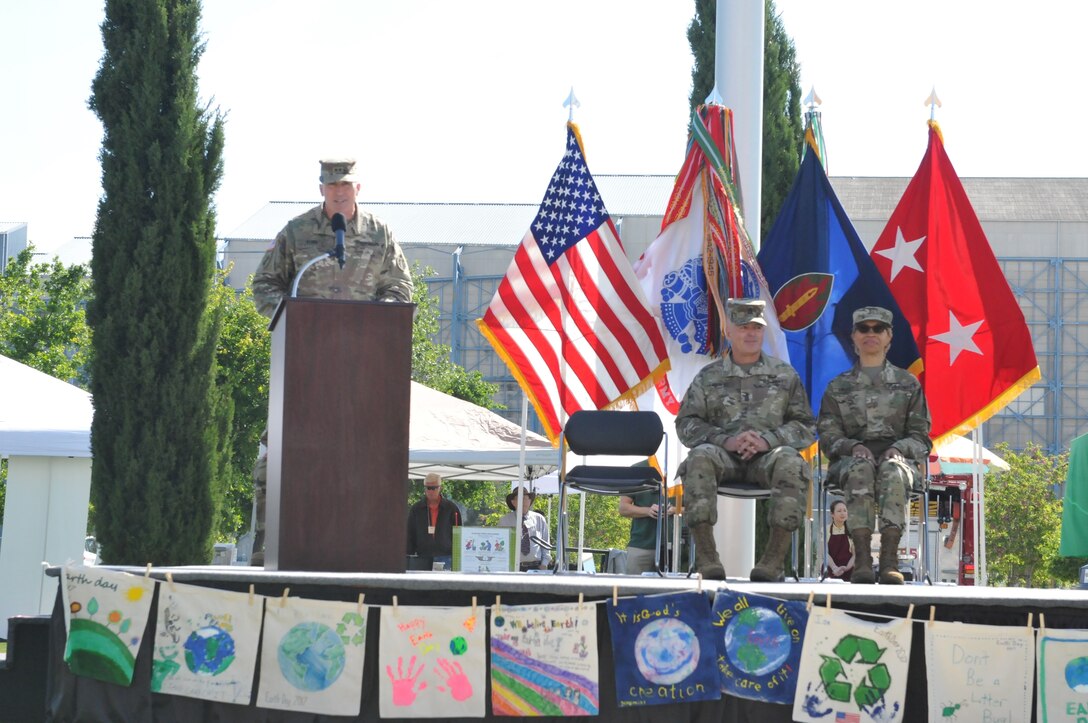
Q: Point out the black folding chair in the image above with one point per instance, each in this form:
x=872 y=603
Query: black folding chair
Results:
x=589 y=433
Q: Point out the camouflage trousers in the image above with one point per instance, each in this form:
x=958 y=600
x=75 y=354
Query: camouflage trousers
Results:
x=876 y=497
x=781 y=470
x=260 y=492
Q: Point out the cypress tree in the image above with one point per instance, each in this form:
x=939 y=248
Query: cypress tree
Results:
x=782 y=129
x=152 y=266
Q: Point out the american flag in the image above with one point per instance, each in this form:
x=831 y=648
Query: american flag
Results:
x=847 y=717
x=569 y=318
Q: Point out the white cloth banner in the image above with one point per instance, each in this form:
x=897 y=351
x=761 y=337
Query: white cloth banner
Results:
x=432 y=663
x=206 y=643
x=1063 y=675
x=312 y=655
x=979 y=672
x=852 y=670
x=105 y=615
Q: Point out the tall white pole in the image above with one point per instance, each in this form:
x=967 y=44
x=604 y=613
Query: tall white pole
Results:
x=738 y=80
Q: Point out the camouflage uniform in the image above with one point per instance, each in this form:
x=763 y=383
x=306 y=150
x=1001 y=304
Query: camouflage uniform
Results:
x=374 y=270
x=725 y=400
x=889 y=413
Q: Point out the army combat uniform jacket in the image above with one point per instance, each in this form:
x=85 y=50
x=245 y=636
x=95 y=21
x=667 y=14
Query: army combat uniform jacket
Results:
x=889 y=413
x=724 y=400
x=375 y=268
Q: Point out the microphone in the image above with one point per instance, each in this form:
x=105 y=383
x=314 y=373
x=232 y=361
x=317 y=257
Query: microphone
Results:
x=339 y=225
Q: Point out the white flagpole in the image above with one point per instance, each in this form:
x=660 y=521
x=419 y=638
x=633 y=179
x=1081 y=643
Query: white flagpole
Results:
x=982 y=576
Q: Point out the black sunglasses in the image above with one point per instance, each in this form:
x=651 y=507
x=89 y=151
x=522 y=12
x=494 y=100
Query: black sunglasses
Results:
x=431 y=487
x=871 y=328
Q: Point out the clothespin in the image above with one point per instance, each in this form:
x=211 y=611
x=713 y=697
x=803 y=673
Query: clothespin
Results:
x=473 y=606
x=252 y=590
x=1029 y=620
x=932 y=614
x=362 y=596
x=147 y=572
x=498 y=604
x=615 y=595
x=699 y=579
x=827 y=602
x=910 y=611
x=283 y=600
x=581 y=600
x=170 y=579
x=811 y=597
x=1042 y=624
x=394 y=604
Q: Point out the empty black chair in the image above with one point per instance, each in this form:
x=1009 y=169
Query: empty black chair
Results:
x=612 y=433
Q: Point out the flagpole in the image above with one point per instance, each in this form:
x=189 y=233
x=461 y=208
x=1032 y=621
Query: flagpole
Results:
x=981 y=573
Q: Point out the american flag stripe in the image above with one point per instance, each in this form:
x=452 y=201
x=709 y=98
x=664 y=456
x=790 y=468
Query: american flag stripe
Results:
x=569 y=318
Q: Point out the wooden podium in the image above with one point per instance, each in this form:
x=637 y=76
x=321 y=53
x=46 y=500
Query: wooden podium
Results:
x=339 y=400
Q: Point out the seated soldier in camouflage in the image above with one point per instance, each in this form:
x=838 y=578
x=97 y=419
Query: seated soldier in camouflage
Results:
x=874 y=429
x=745 y=418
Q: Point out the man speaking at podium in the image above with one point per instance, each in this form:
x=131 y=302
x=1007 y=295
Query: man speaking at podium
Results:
x=373 y=268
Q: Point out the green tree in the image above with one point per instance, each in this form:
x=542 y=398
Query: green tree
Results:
x=782 y=128
x=431 y=363
x=153 y=367
x=1024 y=520
x=42 y=319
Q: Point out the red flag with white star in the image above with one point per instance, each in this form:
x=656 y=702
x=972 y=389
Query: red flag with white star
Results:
x=976 y=347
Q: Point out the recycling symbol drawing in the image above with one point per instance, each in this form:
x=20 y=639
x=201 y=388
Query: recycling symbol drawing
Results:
x=855 y=671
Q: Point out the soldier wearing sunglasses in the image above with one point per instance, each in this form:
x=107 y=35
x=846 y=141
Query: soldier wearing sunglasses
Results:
x=874 y=427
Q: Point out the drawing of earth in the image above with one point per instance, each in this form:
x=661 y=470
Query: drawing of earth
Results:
x=209 y=650
x=666 y=651
x=1076 y=674
x=757 y=641
x=311 y=656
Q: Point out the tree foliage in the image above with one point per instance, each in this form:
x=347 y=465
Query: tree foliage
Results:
x=155 y=335
x=1024 y=520
x=782 y=131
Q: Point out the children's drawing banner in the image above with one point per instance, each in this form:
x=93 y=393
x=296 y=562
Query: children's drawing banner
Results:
x=206 y=643
x=759 y=645
x=664 y=649
x=432 y=663
x=1063 y=675
x=105 y=616
x=852 y=670
x=544 y=660
x=979 y=672
x=312 y=656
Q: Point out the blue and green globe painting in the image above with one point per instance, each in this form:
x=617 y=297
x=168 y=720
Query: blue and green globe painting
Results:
x=311 y=656
x=209 y=650
x=1076 y=674
x=757 y=641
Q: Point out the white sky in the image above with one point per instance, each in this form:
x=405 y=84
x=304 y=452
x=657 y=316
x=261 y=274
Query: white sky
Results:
x=462 y=101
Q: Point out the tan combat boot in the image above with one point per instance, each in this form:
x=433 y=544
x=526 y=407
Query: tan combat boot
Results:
x=863 y=556
x=889 y=557
x=707 y=562
x=769 y=567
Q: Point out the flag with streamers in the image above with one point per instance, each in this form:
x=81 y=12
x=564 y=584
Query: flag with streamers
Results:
x=569 y=318
x=976 y=347
x=820 y=274
x=702 y=257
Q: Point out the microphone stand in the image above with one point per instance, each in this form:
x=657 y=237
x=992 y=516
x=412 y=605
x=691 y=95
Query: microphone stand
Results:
x=311 y=262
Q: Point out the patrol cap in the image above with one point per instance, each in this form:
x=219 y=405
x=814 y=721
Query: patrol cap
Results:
x=746 y=311
x=338 y=170
x=873 y=313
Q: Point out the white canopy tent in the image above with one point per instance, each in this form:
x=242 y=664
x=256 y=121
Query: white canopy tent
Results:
x=45 y=432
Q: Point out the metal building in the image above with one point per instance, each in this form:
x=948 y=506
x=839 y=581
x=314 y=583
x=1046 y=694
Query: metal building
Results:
x=1038 y=228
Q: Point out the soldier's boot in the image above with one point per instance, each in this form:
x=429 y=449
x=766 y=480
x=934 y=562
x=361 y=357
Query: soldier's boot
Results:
x=863 y=556
x=707 y=562
x=889 y=557
x=770 y=565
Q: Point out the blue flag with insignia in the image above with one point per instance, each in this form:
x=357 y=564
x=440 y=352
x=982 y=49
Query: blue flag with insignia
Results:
x=819 y=272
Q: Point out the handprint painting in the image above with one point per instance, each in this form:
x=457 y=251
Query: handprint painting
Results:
x=314 y=651
x=664 y=649
x=432 y=662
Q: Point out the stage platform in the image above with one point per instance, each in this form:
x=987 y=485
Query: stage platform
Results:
x=70 y=698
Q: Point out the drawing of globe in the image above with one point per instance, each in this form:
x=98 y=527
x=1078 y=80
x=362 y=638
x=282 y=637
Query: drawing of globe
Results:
x=209 y=650
x=1076 y=674
x=311 y=656
x=666 y=651
x=757 y=641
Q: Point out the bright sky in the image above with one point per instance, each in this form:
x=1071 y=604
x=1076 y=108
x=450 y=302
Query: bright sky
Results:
x=462 y=101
